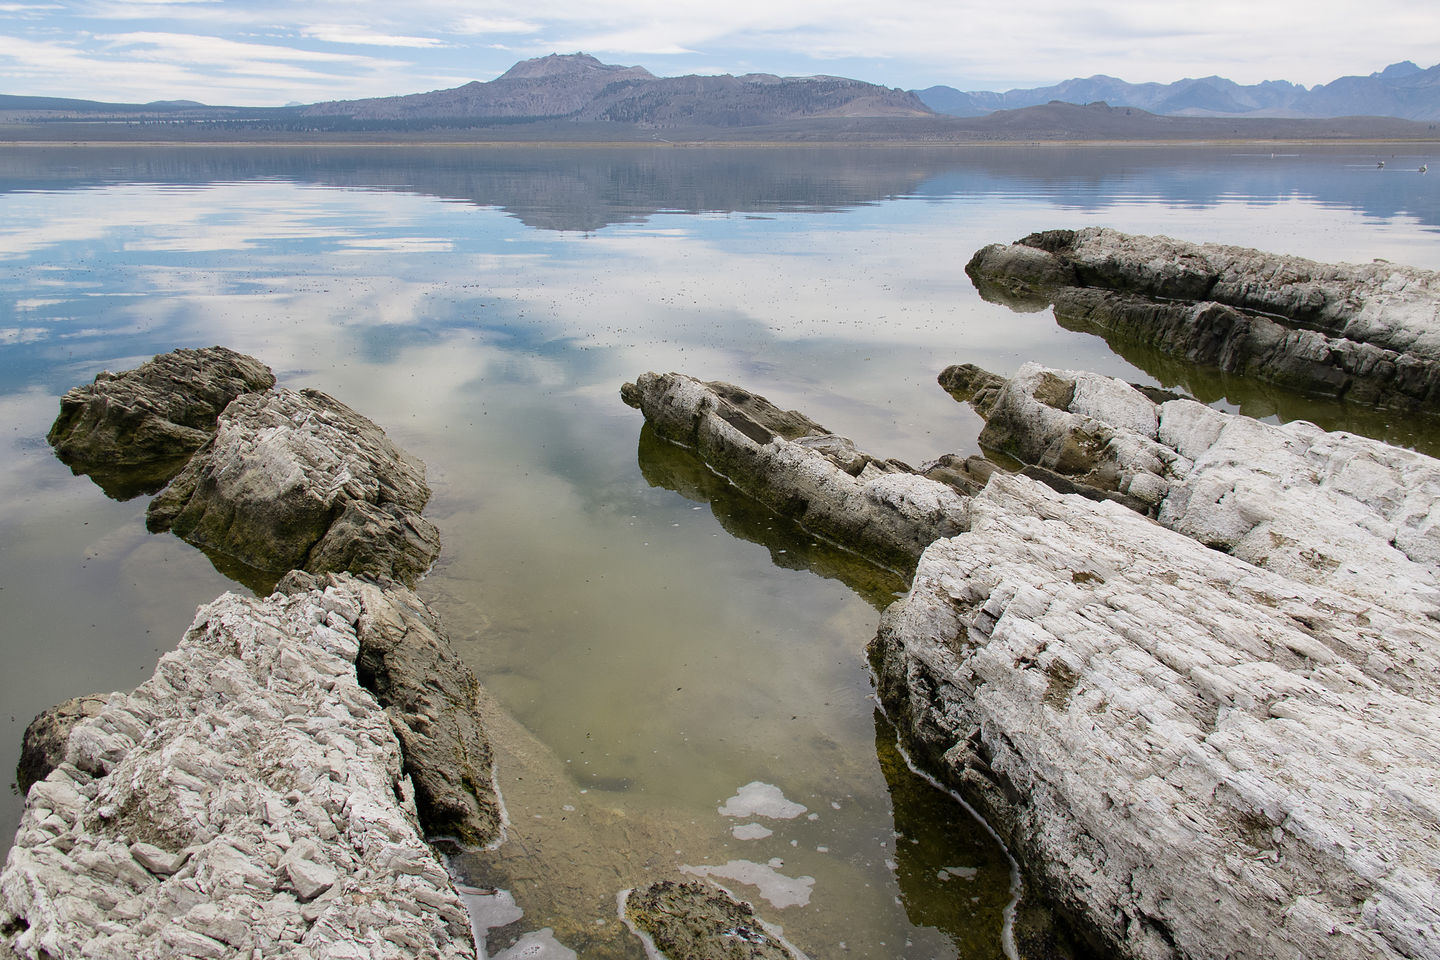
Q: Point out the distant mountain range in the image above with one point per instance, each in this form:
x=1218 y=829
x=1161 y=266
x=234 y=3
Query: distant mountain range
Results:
x=1401 y=90
x=579 y=87
x=577 y=97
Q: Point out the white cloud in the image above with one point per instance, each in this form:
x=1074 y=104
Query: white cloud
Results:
x=330 y=33
x=488 y=25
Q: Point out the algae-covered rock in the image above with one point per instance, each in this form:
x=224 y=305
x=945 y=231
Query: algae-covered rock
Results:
x=298 y=480
x=132 y=431
x=696 y=921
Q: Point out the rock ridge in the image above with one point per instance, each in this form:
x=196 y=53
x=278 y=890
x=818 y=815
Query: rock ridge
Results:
x=1368 y=333
x=248 y=799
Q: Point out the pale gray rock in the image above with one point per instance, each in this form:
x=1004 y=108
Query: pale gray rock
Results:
x=297 y=480
x=432 y=700
x=1193 y=757
x=132 y=431
x=880 y=509
x=1365 y=332
x=247 y=800
x=1335 y=509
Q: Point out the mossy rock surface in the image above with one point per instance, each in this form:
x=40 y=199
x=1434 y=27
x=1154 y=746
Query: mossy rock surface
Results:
x=697 y=921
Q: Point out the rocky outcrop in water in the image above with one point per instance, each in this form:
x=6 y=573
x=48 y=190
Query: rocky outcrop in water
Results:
x=246 y=800
x=1332 y=509
x=1368 y=333
x=697 y=921
x=432 y=700
x=43 y=745
x=132 y=431
x=1192 y=756
x=881 y=509
x=298 y=480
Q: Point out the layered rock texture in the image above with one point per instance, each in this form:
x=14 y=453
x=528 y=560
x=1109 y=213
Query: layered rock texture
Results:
x=1368 y=333
x=881 y=509
x=298 y=480
x=247 y=800
x=130 y=432
x=1331 y=509
x=1194 y=756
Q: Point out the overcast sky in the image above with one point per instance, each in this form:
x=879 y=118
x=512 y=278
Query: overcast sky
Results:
x=267 y=52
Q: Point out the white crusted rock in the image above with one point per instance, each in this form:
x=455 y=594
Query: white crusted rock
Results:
x=264 y=775
x=1195 y=757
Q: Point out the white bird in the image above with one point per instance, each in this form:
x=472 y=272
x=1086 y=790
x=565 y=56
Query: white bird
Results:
x=1380 y=164
x=1424 y=167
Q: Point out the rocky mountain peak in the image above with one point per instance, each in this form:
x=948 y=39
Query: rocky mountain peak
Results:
x=569 y=65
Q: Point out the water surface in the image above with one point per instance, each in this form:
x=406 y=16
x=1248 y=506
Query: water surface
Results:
x=650 y=641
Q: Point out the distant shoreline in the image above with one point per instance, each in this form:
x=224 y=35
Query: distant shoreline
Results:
x=695 y=144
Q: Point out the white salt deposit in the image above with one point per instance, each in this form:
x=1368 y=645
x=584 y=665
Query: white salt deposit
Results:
x=539 y=945
x=750 y=831
x=781 y=891
x=757 y=799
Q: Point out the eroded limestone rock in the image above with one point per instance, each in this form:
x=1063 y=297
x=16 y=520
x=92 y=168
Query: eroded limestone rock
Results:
x=1195 y=757
x=1354 y=514
x=132 y=431
x=43 y=745
x=247 y=800
x=1369 y=333
x=697 y=921
x=881 y=509
x=298 y=480
x=432 y=700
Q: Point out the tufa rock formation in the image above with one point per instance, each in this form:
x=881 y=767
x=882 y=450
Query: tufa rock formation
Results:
x=1366 y=333
x=1332 y=509
x=298 y=480
x=246 y=800
x=1191 y=756
x=132 y=431
x=882 y=510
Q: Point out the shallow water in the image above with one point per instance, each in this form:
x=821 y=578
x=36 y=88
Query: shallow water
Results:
x=651 y=642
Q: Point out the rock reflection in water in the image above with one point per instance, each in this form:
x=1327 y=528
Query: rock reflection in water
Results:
x=676 y=468
x=954 y=876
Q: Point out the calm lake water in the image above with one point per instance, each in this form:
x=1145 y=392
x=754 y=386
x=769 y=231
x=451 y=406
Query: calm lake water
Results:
x=650 y=642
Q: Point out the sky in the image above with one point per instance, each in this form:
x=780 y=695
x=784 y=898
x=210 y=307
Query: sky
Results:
x=273 y=52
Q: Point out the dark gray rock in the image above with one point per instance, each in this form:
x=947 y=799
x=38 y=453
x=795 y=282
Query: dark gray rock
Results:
x=298 y=480
x=132 y=431
x=697 y=921
x=431 y=698
x=1369 y=333
x=43 y=746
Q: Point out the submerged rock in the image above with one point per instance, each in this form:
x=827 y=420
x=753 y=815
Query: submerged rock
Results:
x=1191 y=756
x=881 y=509
x=1356 y=515
x=1369 y=333
x=132 y=431
x=432 y=700
x=298 y=480
x=697 y=921
x=246 y=800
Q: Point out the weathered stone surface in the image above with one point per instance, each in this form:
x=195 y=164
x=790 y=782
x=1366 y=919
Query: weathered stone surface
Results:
x=247 y=800
x=1369 y=333
x=697 y=921
x=297 y=480
x=43 y=745
x=130 y=432
x=431 y=698
x=1350 y=513
x=1194 y=757
x=881 y=509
